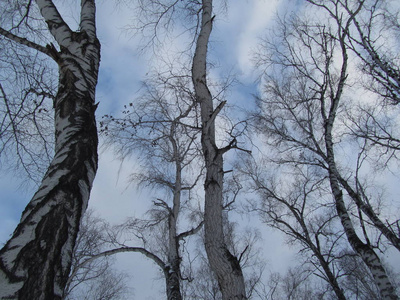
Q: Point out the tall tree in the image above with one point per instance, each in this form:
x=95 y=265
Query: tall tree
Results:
x=303 y=99
x=160 y=16
x=161 y=130
x=35 y=263
x=223 y=263
x=371 y=25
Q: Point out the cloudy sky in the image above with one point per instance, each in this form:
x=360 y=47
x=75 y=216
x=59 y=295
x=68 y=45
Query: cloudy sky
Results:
x=235 y=35
x=122 y=69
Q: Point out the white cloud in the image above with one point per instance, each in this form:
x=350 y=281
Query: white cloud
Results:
x=254 y=22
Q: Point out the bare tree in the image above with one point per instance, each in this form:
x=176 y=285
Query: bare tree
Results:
x=298 y=207
x=96 y=279
x=35 y=262
x=367 y=124
x=162 y=129
x=223 y=263
x=299 y=115
x=160 y=16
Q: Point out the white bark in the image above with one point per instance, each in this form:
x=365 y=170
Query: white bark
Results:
x=222 y=262
x=365 y=250
x=35 y=262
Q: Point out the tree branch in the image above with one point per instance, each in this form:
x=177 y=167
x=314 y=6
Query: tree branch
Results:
x=24 y=41
x=191 y=231
x=88 y=17
x=57 y=26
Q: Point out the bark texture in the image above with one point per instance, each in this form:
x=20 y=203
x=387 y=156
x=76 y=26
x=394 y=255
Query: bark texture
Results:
x=365 y=250
x=172 y=271
x=222 y=262
x=35 y=262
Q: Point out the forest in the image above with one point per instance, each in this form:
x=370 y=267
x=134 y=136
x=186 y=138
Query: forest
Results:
x=199 y=149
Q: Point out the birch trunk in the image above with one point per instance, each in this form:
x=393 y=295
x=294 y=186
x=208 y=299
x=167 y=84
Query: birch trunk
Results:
x=35 y=262
x=222 y=262
x=330 y=276
x=370 y=213
x=366 y=252
x=172 y=272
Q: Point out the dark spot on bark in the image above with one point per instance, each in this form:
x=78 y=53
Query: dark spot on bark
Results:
x=233 y=261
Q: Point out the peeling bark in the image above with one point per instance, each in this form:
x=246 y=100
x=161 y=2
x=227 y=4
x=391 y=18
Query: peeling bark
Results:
x=35 y=262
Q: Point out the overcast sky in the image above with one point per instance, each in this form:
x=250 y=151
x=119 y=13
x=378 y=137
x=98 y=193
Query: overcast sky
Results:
x=234 y=36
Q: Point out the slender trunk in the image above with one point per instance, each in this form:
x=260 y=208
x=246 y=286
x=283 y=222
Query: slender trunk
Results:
x=172 y=270
x=222 y=262
x=366 y=252
x=331 y=277
x=35 y=263
x=172 y=279
x=370 y=213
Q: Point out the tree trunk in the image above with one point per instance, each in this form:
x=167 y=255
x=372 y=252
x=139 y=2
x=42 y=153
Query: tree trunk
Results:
x=222 y=262
x=364 y=250
x=35 y=262
x=330 y=276
x=172 y=272
x=370 y=213
x=172 y=279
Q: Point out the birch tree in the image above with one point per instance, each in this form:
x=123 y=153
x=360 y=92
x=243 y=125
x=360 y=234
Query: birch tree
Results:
x=372 y=123
x=225 y=265
x=35 y=262
x=161 y=130
x=161 y=16
x=299 y=114
x=298 y=207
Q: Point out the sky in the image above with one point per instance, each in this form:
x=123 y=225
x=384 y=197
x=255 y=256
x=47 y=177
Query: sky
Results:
x=122 y=69
x=236 y=34
x=232 y=43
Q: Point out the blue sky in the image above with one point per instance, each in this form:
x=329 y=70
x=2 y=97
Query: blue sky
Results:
x=122 y=68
